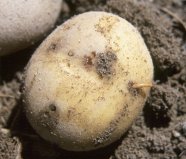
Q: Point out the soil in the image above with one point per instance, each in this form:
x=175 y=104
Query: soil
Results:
x=104 y=64
x=160 y=130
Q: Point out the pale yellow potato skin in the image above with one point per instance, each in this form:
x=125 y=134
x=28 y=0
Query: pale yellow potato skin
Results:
x=69 y=98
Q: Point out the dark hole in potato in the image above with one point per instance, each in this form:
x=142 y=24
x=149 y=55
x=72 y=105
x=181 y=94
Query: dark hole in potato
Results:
x=52 y=107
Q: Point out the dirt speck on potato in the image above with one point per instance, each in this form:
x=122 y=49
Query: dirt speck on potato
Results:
x=135 y=91
x=52 y=107
x=104 y=64
x=70 y=53
x=53 y=47
x=48 y=117
x=87 y=61
x=106 y=24
x=113 y=126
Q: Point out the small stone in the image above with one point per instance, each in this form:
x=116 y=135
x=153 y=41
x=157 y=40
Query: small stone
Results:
x=183 y=155
x=176 y=134
x=184 y=128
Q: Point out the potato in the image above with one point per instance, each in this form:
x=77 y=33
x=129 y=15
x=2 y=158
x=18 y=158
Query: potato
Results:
x=23 y=23
x=88 y=81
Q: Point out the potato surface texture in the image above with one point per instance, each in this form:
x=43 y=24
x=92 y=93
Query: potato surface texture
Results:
x=78 y=84
x=24 y=22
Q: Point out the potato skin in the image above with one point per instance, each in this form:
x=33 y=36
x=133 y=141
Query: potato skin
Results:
x=23 y=23
x=78 y=84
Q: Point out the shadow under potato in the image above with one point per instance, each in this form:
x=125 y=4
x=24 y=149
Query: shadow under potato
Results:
x=15 y=62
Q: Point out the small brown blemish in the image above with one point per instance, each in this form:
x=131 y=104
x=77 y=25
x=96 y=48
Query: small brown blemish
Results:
x=126 y=73
x=53 y=47
x=70 y=53
x=87 y=60
x=133 y=91
x=93 y=53
x=71 y=112
x=78 y=77
x=68 y=26
x=104 y=64
x=121 y=91
x=79 y=101
x=52 y=107
x=68 y=64
x=101 y=98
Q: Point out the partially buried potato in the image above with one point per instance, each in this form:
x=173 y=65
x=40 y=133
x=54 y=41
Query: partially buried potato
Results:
x=88 y=81
x=24 y=22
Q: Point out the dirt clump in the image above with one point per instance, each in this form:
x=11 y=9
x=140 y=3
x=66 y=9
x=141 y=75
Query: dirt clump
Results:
x=10 y=148
x=104 y=64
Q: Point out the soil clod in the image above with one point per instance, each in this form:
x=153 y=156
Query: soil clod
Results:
x=105 y=64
